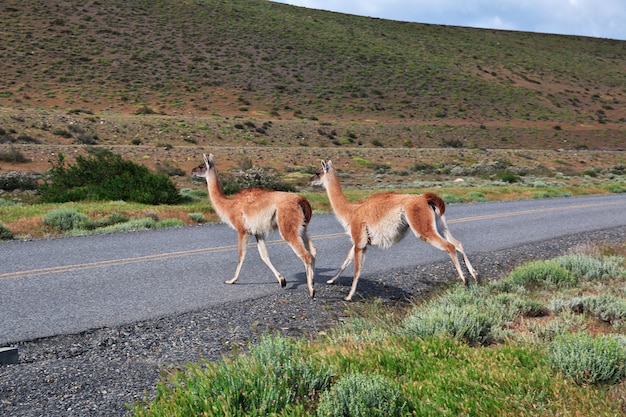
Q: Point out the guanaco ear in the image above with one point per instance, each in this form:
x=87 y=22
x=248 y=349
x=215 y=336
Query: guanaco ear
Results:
x=209 y=162
x=329 y=165
x=326 y=167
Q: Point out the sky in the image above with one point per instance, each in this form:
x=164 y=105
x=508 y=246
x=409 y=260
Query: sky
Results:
x=595 y=18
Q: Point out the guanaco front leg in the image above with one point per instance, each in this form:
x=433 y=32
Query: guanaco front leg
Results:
x=242 y=244
x=359 y=257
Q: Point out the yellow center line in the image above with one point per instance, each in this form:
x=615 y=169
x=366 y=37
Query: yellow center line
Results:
x=172 y=255
x=531 y=211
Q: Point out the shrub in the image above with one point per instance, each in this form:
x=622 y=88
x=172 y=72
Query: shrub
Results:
x=131 y=225
x=508 y=176
x=254 y=177
x=585 y=267
x=12 y=155
x=472 y=316
x=5 y=233
x=165 y=223
x=359 y=394
x=605 y=307
x=103 y=175
x=197 y=217
x=588 y=359
x=112 y=219
x=64 y=219
x=541 y=273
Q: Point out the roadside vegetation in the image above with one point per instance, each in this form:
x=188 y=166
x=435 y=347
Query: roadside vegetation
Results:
x=547 y=339
x=104 y=193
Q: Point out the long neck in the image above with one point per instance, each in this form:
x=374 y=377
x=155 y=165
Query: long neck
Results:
x=338 y=201
x=217 y=196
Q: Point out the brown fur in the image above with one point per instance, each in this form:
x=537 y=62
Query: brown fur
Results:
x=384 y=219
x=258 y=213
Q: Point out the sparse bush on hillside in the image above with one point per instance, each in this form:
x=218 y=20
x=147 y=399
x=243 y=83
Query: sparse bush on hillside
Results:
x=13 y=155
x=103 y=175
x=255 y=177
x=169 y=170
x=83 y=137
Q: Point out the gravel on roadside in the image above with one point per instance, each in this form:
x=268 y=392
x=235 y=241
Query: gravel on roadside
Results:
x=99 y=372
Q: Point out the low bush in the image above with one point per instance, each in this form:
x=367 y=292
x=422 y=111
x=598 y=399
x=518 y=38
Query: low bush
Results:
x=589 y=360
x=585 y=267
x=197 y=217
x=64 y=219
x=606 y=307
x=362 y=395
x=541 y=273
x=471 y=315
x=254 y=177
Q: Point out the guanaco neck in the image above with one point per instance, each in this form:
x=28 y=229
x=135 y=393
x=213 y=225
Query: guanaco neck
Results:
x=217 y=196
x=338 y=201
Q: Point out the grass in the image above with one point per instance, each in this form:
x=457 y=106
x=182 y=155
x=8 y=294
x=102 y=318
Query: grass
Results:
x=376 y=357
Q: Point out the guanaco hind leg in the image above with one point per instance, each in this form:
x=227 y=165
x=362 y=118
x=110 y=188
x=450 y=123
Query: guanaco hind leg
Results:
x=344 y=265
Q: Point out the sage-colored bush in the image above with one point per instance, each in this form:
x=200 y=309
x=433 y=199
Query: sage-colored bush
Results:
x=363 y=395
x=589 y=360
x=64 y=219
x=470 y=315
x=585 y=267
x=541 y=273
x=604 y=307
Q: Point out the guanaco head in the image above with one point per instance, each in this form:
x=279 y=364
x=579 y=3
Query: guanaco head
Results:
x=203 y=170
x=318 y=178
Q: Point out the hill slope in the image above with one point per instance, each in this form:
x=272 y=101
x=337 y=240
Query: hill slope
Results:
x=78 y=71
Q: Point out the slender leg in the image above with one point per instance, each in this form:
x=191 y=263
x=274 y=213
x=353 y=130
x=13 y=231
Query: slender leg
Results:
x=242 y=243
x=459 y=246
x=308 y=259
x=266 y=259
x=359 y=257
x=344 y=265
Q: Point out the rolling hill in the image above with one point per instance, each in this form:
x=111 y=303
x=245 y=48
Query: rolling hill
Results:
x=252 y=73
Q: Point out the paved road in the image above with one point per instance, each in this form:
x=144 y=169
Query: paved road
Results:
x=57 y=286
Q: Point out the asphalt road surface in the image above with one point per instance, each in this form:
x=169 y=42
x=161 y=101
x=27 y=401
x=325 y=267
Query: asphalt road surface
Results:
x=67 y=285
